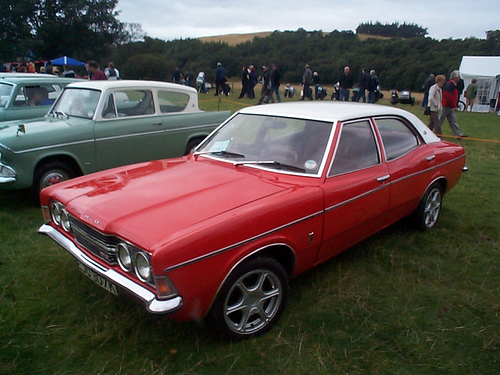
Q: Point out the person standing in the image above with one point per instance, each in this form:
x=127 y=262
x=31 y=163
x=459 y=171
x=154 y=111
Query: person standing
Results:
x=244 y=82
x=177 y=76
x=266 y=85
x=470 y=94
x=111 y=72
x=449 y=102
x=188 y=77
x=372 y=87
x=345 y=84
x=362 y=85
x=68 y=72
x=306 y=81
x=96 y=74
x=220 y=80
x=275 y=84
x=435 y=99
x=429 y=81
x=252 y=82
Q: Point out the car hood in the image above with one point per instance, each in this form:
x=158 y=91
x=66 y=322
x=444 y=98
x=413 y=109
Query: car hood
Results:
x=152 y=203
x=39 y=132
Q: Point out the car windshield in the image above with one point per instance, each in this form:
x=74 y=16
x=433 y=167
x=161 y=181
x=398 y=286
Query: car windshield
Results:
x=5 y=93
x=76 y=102
x=286 y=144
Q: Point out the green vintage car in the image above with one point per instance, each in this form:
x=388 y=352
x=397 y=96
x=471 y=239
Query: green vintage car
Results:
x=96 y=125
x=27 y=95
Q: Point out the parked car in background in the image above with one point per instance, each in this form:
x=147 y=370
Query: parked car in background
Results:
x=26 y=95
x=273 y=192
x=96 y=125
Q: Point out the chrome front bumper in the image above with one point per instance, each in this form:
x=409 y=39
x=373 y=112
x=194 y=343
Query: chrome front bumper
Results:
x=7 y=174
x=153 y=304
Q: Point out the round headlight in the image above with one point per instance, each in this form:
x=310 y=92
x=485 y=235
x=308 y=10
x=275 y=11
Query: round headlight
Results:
x=142 y=267
x=55 y=208
x=66 y=225
x=124 y=257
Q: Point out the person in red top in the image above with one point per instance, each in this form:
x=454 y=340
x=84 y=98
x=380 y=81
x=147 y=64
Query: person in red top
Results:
x=95 y=72
x=449 y=101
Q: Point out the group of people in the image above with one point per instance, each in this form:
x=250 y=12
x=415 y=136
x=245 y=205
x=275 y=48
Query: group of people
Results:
x=110 y=73
x=442 y=99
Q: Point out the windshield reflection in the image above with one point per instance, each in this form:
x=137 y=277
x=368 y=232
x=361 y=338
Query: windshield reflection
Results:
x=75 y=102
x=293 y=145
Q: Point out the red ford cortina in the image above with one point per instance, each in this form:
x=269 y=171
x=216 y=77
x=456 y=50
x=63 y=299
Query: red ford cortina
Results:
x=273 y=192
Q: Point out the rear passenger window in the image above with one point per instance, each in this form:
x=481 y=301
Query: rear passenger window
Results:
x=356 y=149
x=172 y=101
x=397 y=137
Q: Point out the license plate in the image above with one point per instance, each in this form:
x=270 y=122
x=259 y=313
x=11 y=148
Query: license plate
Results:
x=98 y=279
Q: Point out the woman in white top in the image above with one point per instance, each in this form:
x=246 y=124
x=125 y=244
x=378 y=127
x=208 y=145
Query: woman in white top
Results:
x=435 y=97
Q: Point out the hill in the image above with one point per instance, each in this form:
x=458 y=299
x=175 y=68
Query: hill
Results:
x=235 y=39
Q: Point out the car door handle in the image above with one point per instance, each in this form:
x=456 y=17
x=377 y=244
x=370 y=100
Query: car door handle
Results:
x=384 y=178
x=430 y=158
x=158 y=123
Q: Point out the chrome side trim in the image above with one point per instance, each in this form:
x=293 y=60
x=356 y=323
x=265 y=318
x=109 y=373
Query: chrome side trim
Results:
x=153 y=304
x=241 y=243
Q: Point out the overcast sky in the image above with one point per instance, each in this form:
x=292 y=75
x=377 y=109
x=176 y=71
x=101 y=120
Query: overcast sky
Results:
x=173 y=19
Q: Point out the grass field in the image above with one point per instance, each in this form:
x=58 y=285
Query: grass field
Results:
x=402 y=302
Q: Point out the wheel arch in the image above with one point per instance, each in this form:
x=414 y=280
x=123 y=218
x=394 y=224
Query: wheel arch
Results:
x=63 y=158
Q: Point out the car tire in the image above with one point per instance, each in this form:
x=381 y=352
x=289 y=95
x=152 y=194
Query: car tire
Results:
x=50 y=174
x=427 y=213
x=251 y=299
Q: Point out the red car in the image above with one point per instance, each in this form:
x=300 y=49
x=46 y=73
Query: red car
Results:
x=273 y=192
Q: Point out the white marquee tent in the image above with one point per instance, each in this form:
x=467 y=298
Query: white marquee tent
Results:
x=486 y=69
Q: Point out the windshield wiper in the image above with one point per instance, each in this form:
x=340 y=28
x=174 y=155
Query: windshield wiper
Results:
x=60 y=113
x=274 y=163
x=221 y=152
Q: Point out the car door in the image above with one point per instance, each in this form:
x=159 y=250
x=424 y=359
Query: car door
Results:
x=410 y=162
x=128 y=131
x=356 y=189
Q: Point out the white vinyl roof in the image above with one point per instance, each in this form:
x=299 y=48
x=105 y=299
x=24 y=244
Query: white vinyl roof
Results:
x=335 y=111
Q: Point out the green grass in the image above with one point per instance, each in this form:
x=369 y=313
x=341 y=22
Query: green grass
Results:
x=402 y=302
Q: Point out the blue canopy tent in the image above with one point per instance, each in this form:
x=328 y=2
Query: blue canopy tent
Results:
x=65 y=60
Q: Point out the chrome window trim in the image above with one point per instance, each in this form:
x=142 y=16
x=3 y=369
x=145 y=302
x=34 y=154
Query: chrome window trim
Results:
x=374 y=134
x=408 y=125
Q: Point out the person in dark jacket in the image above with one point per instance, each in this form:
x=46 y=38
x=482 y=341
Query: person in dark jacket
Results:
x=244 y=82
x=450 y=100
x=266 y=85
x=275 y=84
x=373 y=87
x=252 y=81
x=220 y=80
x=345 y=83
x=362 y=85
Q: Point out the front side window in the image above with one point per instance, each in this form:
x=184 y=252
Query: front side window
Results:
x=134 y=103
x=172 y=101
x=397 y=137
x=356 y=148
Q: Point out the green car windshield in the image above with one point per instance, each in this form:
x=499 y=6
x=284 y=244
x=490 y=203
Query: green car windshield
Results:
x=76 y=102
x=5 y=93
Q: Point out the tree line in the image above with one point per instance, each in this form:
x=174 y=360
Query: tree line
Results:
x=89 y=30
x=399 y=63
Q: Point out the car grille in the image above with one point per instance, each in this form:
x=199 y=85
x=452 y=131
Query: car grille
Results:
x=94 y=241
